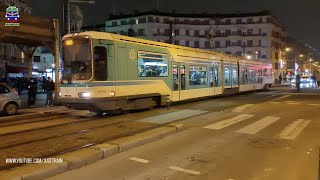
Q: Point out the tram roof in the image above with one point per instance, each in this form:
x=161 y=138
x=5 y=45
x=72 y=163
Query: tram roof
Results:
x=175 y=49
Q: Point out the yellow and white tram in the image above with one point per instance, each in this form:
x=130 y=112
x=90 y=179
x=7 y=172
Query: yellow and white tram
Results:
x=104 y=72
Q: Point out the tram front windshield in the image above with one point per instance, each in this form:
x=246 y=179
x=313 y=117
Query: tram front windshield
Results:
x=76 y=60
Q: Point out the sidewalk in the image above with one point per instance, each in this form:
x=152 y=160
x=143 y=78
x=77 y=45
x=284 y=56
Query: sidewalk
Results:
x=40 y=106
x=40 y=100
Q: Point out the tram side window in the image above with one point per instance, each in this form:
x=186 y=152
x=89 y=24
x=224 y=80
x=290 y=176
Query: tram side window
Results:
x=197 y=75
x=253 y=76
x=152 y=65
x=260 y=76
x=243 y=76
x=234 y=76
x=175 y=77
x=211 y=76
x=226 y=75
x=266 y=72
x=183 y=77
x=100 y=63
x=246 y=76
x=216 y=73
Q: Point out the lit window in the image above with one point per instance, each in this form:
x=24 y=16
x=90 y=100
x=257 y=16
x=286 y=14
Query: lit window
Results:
x=197 y=75
x=152 y=64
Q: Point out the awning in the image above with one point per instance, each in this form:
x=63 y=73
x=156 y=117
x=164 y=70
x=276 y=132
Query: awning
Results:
x=38 y=71
x=14 y=69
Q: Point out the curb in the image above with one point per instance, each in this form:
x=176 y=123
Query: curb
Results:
x=82 y=157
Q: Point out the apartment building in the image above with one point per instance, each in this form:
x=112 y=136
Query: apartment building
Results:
x=253 y=35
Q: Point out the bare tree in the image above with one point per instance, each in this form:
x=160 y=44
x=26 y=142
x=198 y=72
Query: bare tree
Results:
x=76 y=18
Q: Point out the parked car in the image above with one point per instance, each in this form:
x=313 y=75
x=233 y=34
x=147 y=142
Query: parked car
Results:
x=305 y=81
x=9 y=100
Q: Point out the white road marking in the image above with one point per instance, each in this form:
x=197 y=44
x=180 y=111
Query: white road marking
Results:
x=184 y=170
x=173 y=116
x=274 y=102
x=258 y=125
x=228 y=122
x=315 y=94
x=282 y=97
x=139 y=160
x=293 y=103
x=314 y=104
x=294 y=129
x=242 y=108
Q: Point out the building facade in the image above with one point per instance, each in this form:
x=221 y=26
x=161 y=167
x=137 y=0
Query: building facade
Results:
x=13 y=61
x=43 y=63
x=253 y=35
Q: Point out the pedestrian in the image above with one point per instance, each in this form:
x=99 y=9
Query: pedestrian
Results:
x=49 y=90
x=317 y=76
x=298 y=81
x=32 y=91
x=280 y=79
x=314 y=80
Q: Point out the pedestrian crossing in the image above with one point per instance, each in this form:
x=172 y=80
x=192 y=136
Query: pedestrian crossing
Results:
x=294 y=129
x=229 y=122
x=294 y=103
x=258 y=125
x=289 y=132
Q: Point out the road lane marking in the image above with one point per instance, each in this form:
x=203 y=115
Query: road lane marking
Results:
x=294 y=129
x=228 y=122
x=242 y=108
x=258 y=125
x=139 y=160
x=282 y=97
x=274 y=102
x=314 y=104
x=173 y=116
x=184 y=170
x=304 y=93
x=293 y=103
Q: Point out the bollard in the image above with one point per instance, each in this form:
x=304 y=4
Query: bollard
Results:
x=168 y=102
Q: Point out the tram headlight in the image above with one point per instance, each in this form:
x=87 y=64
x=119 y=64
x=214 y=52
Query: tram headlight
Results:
x=68 y=42
x=60 y=94
x=84 y=94
x=112 y=93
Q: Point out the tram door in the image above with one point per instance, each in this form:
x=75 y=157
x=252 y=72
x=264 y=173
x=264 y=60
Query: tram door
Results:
x=178 y=80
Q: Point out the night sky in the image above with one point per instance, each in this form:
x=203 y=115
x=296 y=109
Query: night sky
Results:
x=300 y=18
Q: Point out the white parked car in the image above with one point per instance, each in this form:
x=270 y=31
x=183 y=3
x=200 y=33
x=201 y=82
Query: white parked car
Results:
x=9 y=100
x=305 y=81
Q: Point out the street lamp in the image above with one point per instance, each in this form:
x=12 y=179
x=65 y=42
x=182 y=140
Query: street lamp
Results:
x=68 y=10
x=295 y=62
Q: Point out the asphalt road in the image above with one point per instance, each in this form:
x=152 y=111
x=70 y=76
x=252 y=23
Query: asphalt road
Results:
x=266 y=135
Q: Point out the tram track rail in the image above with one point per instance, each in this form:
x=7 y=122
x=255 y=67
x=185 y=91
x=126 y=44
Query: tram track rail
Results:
x=56 y=140
x=19 y=138
x=32 y=120
x=72 y=141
